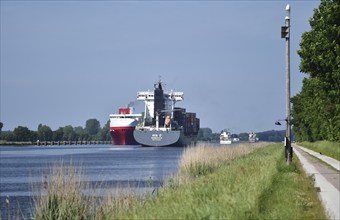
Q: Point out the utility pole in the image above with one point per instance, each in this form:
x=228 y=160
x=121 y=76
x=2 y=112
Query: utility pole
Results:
x=285 y=33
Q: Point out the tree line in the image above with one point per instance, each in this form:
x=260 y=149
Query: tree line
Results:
x=91 y=132
x=206 y=134
x=316 y=109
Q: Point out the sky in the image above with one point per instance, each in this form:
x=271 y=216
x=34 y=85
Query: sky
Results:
x=64 y=62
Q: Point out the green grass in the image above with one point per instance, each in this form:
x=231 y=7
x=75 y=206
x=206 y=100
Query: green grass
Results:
x=331 y=149
x=255 y=186
x=291 y=195
x=246 y=182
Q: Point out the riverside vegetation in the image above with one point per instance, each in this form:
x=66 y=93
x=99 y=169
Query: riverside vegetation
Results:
x=250 y=181
x=331 y=149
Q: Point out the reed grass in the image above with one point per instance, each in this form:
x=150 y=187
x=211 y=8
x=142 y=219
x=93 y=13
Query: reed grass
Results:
x=67 y=194
x=251 y=181
x=331 y=149
x=203 y=159
x=257 y=186
x=62 y=195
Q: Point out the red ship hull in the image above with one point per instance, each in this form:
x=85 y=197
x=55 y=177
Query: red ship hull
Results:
x=123 y=135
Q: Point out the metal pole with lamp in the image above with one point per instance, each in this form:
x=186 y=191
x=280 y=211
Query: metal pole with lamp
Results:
x=285 y=33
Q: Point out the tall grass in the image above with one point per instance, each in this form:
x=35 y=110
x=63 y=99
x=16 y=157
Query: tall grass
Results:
x=246 y=188
x=63 y=195
x=66 y=194
x=203 y=159
x=251 y=181
x=331 y=149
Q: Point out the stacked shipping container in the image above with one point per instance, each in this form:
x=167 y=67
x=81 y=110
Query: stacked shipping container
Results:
x=187 y=120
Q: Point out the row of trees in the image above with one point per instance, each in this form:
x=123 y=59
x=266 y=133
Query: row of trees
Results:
x=91 y=132
x=206 y=134
x=316 y=109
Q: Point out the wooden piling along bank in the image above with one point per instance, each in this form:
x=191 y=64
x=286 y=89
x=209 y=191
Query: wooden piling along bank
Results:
x=45 y=143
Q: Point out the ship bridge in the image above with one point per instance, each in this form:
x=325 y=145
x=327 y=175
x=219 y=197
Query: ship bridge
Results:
x=170 y=96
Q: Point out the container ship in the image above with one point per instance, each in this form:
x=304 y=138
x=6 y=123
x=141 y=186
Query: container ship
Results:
x=163 y=124
x=122 y=126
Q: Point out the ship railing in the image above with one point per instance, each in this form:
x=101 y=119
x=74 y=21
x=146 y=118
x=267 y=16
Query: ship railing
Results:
x=151 y=128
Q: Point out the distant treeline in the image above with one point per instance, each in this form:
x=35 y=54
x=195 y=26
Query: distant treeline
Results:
x=92 y=132
x=206 y=134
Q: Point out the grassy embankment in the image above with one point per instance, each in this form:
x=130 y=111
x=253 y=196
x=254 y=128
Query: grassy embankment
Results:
x=331 y=149
x=246 y=182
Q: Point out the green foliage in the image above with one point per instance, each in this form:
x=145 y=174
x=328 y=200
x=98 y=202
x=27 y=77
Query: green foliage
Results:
x=1 y=126
x=204 y=134
x=272 y=136
x=244 y=136
x=7 y=136
x=331 y=149
x=58 y=134
x=45 y=133
x=68 y=133
x=316 y=109
x=104 y=133
x=81 y=133
x=92 y=132
x=22 y=134
x=92 y=127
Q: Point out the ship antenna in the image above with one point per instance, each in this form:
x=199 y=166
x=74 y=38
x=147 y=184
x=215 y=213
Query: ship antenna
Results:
x=158 y=85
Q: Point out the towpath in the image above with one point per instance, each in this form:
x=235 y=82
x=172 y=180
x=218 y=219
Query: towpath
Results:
x=327 y=177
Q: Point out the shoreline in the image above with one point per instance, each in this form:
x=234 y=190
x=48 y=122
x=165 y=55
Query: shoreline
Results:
x=17 y=144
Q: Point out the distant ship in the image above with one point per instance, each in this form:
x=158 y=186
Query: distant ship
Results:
x=122 y=126
x=225 y=137
x=164 y=124
x=252 y=137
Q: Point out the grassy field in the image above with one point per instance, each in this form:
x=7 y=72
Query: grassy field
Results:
x=331 y=149
x=251 y=181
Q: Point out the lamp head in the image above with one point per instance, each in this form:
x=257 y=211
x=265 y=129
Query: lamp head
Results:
x=287 y=12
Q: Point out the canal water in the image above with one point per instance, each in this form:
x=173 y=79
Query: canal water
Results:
x=22 y=168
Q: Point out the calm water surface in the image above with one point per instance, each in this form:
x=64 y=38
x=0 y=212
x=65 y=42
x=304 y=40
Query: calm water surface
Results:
x=23 y=167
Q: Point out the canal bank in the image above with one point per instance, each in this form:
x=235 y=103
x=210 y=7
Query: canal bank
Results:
x=107 y=166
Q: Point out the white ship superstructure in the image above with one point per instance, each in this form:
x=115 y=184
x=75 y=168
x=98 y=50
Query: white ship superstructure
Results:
x=170 y=98
x=252 y=137
x=225 y=137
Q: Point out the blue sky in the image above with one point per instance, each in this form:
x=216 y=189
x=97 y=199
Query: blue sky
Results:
x=65 y=62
